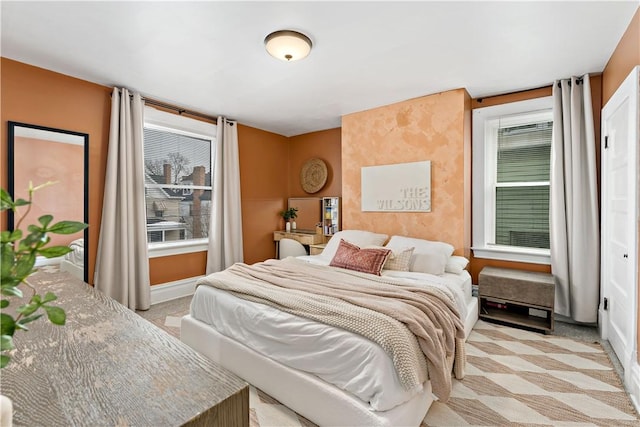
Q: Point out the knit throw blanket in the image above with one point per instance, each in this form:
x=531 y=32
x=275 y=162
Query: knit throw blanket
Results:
x=418 y=327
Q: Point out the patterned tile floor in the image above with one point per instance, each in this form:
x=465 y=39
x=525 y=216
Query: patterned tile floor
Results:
x=513 y=377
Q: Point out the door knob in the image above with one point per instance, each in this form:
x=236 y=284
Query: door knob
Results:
x=625 y=256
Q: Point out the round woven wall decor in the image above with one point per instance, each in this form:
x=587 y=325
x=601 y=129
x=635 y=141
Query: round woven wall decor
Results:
x=313 y=175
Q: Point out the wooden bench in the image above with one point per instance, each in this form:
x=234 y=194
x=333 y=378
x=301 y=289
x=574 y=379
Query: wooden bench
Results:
x=517 y=297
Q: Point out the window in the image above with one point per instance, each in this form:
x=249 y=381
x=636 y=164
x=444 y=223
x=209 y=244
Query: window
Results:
x=178 y=186
x=511 y=165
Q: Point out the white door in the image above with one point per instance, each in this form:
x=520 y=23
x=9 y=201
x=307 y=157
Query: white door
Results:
x=619 y=213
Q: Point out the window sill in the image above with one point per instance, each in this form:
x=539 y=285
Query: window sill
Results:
x=510 y=253
x=158 y=250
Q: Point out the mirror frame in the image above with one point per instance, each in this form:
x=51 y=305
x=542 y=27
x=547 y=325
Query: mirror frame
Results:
x=11 y=180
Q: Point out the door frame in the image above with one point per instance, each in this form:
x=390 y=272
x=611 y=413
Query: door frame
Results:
x=630 y=87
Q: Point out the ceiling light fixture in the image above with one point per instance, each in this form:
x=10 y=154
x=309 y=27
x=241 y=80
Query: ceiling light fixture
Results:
x=288 y=45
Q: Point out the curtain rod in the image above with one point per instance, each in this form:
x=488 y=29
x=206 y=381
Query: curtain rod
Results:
x=179 y=110
x=578 y=81
x=479 y=100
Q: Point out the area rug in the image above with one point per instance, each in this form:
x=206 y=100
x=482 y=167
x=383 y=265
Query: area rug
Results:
x=513 y=378
x=517 y=378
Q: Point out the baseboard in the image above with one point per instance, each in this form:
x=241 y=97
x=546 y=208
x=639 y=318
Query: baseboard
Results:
x=634 y=384
x=603 y=318
x=172 y=290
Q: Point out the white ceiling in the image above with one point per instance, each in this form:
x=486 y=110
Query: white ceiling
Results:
x=210 y=57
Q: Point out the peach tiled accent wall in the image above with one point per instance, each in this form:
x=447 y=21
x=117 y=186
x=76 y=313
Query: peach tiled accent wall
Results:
x=434 y=128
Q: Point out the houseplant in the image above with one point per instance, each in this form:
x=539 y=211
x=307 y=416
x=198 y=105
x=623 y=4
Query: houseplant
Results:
x=288 y=215
x=18 y=255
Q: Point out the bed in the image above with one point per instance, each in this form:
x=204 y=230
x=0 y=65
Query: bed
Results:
x=73 y=262
x=328 y=374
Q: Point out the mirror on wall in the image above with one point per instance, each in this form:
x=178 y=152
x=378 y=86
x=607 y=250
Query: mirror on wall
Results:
x=309 y=212
x=40 y=154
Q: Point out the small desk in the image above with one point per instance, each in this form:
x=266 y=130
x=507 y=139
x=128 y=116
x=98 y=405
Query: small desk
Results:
x=108 y=366
x=317 y=249
x=307 y=239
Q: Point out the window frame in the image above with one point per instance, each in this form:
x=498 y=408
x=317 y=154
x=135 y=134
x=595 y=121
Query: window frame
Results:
x=485 y=125
x=163 y=121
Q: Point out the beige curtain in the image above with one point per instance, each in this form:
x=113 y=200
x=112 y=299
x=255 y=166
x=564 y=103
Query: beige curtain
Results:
x=225 y=231
x=122 y=266
x=573 y=210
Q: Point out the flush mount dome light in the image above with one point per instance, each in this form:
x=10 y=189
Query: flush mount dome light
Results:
x=287 y=45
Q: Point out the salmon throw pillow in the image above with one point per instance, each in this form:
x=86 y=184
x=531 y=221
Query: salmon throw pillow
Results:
x=351 y=257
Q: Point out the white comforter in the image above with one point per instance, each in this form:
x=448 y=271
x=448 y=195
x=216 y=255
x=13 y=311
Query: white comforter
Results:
x=342 y=358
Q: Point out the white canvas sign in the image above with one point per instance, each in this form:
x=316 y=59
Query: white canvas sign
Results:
x=403 y=187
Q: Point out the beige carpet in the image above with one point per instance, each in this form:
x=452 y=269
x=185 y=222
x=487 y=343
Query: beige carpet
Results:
x=513 y=378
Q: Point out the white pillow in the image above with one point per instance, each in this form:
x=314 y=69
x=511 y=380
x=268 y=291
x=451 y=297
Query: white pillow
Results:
x=432 y=263
x=456 y=264
x=420 y=245
x=357 y=237
x=435 y=254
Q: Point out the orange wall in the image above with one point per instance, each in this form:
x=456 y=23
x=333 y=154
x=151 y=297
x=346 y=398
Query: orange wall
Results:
x=427 y=128
x=325 y=145
x=624 y=58
x=264 y=184
x=41 y=97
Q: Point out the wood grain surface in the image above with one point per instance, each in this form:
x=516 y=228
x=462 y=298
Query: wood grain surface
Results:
x=109 y=366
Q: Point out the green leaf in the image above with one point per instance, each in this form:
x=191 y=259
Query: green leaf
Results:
x=6 y=202
x=22 y=202
x=67 y=227
x=4 y=360
x=6 y=236
x=56 y=315
x=20 y=323
x=32 y=228
x=24 y=265
x=15 y=236
x=32 y=239
x=6 y=342
x=45 y=220
x=28 y=309
x=7 y=260
x=7 y=324
x=48 y=297
x=54 y=251
x=4 y=303
x=11 y=291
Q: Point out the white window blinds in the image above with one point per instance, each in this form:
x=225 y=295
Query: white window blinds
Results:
x=522 y=184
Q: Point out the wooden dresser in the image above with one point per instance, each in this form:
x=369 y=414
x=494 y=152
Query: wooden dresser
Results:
x=109 y=366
